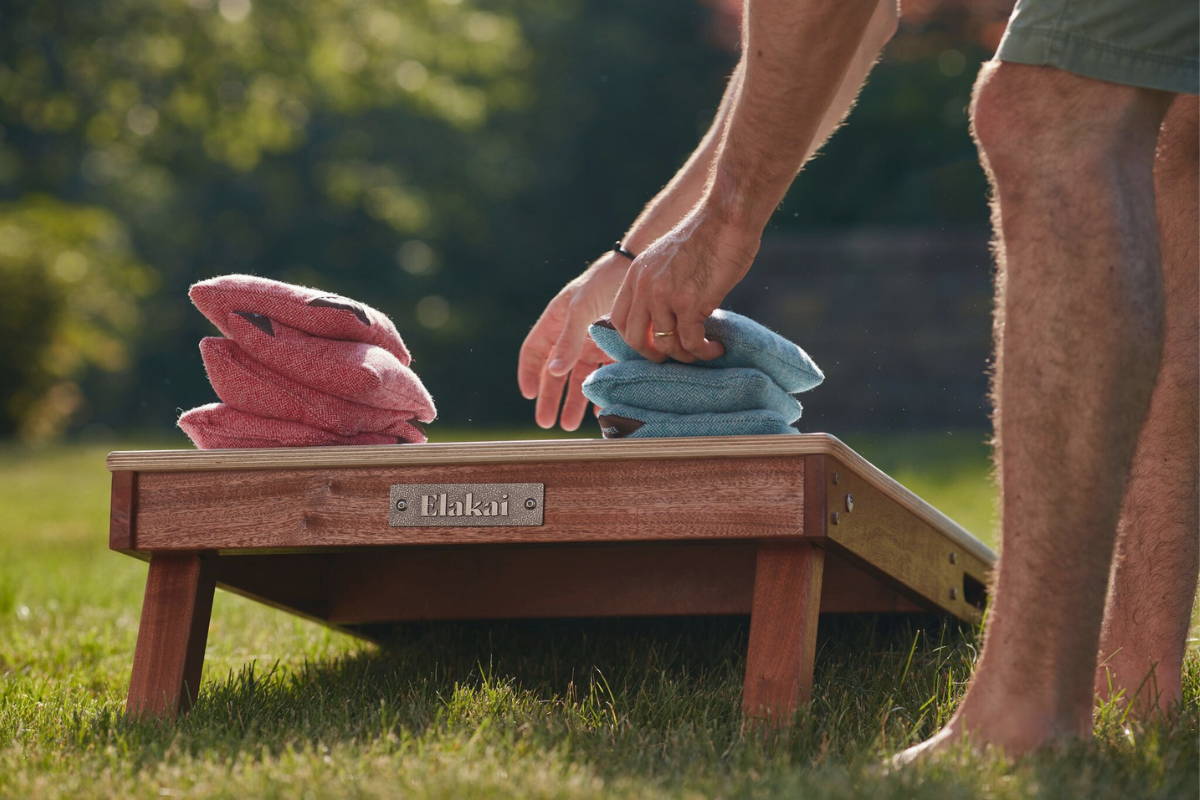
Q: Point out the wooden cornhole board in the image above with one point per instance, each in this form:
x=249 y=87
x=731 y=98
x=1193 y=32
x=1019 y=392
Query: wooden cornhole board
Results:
x=778 y=527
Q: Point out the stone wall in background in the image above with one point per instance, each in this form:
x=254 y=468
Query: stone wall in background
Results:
x=899 y=319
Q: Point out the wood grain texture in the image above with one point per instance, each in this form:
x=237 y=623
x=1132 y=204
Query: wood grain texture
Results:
x=901 y=545
x=349 y=588
x=295 y=582
x=567 y=580
x=545 y=452
x=783 y=631
x=848 y=588
x=122 y=511
x=816 y=512
x=171 y=638
x=524 y=581
x=742 y=498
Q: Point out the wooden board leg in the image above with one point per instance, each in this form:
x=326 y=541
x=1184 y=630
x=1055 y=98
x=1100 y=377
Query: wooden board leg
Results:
x=783 y=631
x=172 y=635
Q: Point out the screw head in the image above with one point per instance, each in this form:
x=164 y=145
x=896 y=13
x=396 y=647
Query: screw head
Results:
x=849 y=502
x=835 y=518
x=531 y=503
x=401 y=504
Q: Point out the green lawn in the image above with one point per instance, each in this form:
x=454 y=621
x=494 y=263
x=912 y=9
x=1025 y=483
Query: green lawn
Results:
x=609 y=709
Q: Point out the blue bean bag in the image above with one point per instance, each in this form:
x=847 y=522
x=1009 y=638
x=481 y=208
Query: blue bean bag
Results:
x=685 y=389
x=747 y=344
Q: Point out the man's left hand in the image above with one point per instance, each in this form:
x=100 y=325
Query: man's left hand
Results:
x=676 y=283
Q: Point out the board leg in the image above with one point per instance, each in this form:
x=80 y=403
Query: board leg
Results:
x=172 y=635
x=783 y=631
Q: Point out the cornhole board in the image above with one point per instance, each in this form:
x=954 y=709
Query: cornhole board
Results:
x=782 y=528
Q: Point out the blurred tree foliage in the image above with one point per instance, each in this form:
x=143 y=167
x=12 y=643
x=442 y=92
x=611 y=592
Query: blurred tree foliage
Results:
x=70 y=286
x=450 y=161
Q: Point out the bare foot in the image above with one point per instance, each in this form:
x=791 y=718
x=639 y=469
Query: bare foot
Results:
x=1013 y=728
x=941 y=741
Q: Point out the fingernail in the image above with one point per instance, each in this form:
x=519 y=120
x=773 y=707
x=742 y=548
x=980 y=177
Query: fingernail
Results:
x=557 y=365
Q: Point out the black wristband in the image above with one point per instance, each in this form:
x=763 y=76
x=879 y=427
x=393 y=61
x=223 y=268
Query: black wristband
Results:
x=620 y=250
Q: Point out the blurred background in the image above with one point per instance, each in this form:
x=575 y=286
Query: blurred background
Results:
x=453 y=163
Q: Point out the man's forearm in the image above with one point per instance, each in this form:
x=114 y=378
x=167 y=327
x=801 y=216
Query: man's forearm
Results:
x=803 y=64
x=684 y=191
x=688 y=186
x=880 y=28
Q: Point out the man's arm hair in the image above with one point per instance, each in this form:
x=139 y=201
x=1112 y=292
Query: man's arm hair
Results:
x=689 y=184
x=684 y=190
x=880 y=28
x=797 y=57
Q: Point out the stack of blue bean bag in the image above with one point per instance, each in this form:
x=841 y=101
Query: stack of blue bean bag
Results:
x=748 y=390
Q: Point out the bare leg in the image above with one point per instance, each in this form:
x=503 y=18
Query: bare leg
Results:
x=1078 y=337
x=1153 y=581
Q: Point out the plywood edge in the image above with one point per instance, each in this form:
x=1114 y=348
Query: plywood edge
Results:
x=548 y=450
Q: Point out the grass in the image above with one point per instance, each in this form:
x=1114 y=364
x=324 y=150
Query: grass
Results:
x=626 y=709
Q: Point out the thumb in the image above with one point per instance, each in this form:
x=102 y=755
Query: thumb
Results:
x=569 y=347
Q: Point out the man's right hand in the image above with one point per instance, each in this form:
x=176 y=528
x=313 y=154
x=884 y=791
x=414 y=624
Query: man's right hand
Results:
x=558 y=352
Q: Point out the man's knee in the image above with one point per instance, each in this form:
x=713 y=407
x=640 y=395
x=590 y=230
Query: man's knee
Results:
x=1030 y=120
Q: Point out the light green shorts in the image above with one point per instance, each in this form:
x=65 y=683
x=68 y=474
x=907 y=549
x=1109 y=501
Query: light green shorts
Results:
x=1152 y=44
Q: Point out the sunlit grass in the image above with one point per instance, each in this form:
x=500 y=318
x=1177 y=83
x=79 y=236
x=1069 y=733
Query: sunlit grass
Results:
x=538 y=709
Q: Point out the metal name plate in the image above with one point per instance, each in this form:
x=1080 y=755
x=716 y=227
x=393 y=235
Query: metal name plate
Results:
x=434 y=505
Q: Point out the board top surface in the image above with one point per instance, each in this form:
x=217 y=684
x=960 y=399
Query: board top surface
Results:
x=549 y=451
x=382 y=455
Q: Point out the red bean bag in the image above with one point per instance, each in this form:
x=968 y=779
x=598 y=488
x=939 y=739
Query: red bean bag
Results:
x=355 y=371
x=313 y=311
x=247 y=385
x=217 y=425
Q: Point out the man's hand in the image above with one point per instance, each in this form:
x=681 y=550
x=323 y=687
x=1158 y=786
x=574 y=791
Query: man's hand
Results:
x=558 y=351
x=705 y=225
x=677 y=282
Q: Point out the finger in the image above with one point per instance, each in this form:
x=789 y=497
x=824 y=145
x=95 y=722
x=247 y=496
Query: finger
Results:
x=621 y=306
x=569 y=347
x=533 y=354
x=550 y=390
x=592 y=353
x=529 y=363
x=663 y=321
x=576 y=403
x=693 y=341
x=637 y=330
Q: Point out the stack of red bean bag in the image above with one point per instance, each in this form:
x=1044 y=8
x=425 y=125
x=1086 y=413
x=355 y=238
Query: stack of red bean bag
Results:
x=300 y=367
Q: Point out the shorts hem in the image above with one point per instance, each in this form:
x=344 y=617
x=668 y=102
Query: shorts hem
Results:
x=1104 y=61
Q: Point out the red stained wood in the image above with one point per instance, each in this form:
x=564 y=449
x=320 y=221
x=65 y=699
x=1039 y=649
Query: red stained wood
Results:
x=847 y=588
x=295 y=582
x=743 y=498
x=171 y=638
x=520 y=581
x=783 y=631
x=122 y=511
x=817 y=475
x=723 y=526
x=527 y=581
